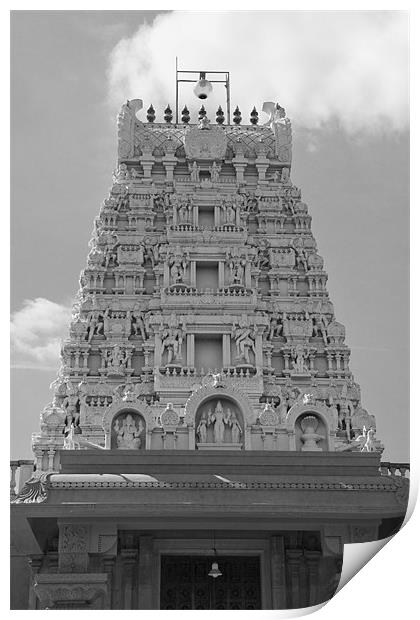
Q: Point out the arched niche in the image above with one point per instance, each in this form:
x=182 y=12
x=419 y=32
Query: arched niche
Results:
x=310 y=428
x=119 y=407
x=219 y=422
x=128 y=431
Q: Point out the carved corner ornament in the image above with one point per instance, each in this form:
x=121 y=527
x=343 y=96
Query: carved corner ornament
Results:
x=34 y=491
x=70 y=591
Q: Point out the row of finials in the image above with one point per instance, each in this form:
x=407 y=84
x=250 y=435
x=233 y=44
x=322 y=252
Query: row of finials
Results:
x=186 y=117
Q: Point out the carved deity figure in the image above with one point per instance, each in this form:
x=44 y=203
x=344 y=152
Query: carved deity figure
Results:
x=202 y=429
x=235 y=426
x=215 y=173
x=320 y=324
x=172 y=338
x=194 y=172
x=116 y=359
x=244 y=340
x=219 y=419
x=301 y=258
x=275 y=327
x=138 y=323
x=300 y=354
x=128 y=433
x=236 y=271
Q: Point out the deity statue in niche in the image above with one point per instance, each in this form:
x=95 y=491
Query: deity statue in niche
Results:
x=172 y=338
x=215 y=173
x=128 y=432
x=218 y=422
x=194 y=172
x=300 y=354
x=116 y=359
x=244 y=340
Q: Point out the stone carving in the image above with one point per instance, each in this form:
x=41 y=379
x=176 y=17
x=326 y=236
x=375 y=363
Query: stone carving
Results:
x=116 y=360
x=210 y=144
x=244 y=337
x=219 y=419
x=172 y=338
x=128 y=432
x=309 y=436
x=215 y=173
x=194 y=172
x=277 y=339
x=125 y=122
x=300 y=354
x=34 y=491
x=169 y=417
x=268 y=416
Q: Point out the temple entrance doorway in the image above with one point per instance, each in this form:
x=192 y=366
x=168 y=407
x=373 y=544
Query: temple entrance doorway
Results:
x=185 y=582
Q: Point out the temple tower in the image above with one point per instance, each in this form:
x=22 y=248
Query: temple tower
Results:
x=204 y=395
x=203 y=320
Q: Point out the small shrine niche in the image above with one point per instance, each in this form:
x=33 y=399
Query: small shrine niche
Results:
x=311 y=433
x=128 y=431
x=219 y=424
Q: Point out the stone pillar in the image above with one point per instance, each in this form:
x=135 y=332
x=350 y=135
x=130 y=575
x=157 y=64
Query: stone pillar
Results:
x=294 y=560
x=240 y=164
x=312 y=562
x=169 y=161
x=35 y=563
x=248 y=275
x=109 y=566
x=262 y=165
x=13 y=469
x=147 y=162
x=221 y=274
x=190 y=350
x=129 y=558
x=73 y=548
x=145 y=571
x=193 y=273
x=158 y=351
x=226 y=350
x=278 y=572
x=258 y=351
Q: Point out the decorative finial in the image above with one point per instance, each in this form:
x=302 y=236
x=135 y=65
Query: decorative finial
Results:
x=168 y=116
x=220 y=117
x=185 y=118
x=237 y=116
x=151 y=114
x=202 y=112
x=254 y=116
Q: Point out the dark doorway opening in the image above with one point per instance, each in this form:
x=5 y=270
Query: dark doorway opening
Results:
x=185 y=583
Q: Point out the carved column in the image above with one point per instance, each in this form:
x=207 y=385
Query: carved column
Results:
x=73 y=548
x=278 y=572
x=193 y=273
x=226 y=350
x=169 y=161
x=129 y=559
x=147 y=162
x=294 y=560
x=240 y=164
x=262 y=165
x=221 y=274
x=258 y=351
x=13 y=469
x=312 y=562
x=145 y=568
x=190 y=350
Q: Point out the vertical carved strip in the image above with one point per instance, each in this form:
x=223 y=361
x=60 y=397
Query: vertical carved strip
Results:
x=278 y=572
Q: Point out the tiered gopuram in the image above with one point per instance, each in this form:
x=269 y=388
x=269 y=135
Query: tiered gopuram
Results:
x=203 y=308
x=206 y=446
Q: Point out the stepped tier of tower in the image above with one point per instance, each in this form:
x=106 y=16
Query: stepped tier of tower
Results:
x=203 y=320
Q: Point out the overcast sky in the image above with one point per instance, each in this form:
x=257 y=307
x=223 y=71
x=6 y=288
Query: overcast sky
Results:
x=342 y=78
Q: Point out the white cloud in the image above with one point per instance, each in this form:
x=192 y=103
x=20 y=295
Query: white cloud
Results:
x=322 y=65
x=36 y=331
